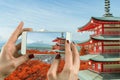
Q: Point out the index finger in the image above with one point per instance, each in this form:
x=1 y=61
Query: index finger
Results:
x=16 y=33
x=76 y=59
x=68 y=55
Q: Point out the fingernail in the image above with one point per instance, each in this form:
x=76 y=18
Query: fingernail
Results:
x=31 y=56
x=67 y=41
x=58 y=56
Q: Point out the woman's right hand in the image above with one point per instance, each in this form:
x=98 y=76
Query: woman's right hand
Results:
x=71 y=67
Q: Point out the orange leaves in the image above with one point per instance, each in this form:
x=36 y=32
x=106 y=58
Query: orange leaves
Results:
x=33 y=69
x=83 y=51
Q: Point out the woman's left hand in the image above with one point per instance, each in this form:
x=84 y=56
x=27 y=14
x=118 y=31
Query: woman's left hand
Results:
x=9 y=57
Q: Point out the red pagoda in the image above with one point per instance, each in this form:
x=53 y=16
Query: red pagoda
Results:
x=101 y=56
x=60 y=44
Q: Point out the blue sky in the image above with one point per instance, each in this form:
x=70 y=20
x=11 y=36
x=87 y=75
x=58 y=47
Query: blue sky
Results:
x=52 y=15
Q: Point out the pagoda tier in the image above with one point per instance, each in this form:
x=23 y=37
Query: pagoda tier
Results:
x=103 y=26
x=60 y=45
x=102 y=63
x=90 y=75
x=59 y=40
x=101 y=45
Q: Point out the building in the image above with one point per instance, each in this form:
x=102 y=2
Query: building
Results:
x=102 y=51
x=60 y=44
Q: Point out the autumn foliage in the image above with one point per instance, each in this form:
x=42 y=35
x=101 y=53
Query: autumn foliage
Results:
x=83 y=51
x=33 y=69
x=83 y=64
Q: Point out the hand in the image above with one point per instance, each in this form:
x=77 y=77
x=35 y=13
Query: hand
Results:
x=9 y=57
x=71 y=67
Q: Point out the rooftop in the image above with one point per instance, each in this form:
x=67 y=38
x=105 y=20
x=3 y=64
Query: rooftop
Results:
x=101 y=58
x=106 y=37
x=107 y=18
x=86 y=74
x=92 y=23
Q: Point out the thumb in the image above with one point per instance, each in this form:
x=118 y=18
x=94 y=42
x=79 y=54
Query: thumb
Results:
x=20 y=60
x=52 y=73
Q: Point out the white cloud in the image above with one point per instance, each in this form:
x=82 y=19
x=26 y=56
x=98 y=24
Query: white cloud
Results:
x=42 y=30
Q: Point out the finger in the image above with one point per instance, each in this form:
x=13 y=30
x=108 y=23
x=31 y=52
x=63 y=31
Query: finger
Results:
x=18 y=46
x=52 y=73
x=16 y=33
x=26 y=29
x=76 y=59
x=68 y=55
x=22 y=59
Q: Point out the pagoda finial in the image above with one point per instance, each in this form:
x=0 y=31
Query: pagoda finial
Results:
x=107 y=9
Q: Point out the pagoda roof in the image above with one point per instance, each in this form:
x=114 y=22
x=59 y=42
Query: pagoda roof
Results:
x=87 y=74
x=58 y=38
x=108 y=38
x=84 y=42
x=96 y=21
x=87 y=57
x=95 y=39
x=100 y=58
x=107 y=18
x=88 y=26
x=90 y=41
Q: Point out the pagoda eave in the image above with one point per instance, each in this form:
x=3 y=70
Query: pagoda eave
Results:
x=106 y=60
x=89 y=26
x=98 y=58
x=90 y=41
x=107 y=19
x=103 y=38
x=96 y=21
x=57 y=39
x=85 y=74
x=101 y=58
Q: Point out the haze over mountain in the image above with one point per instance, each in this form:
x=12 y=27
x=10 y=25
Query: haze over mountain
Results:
x=38 y=44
